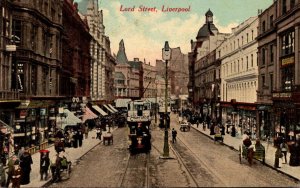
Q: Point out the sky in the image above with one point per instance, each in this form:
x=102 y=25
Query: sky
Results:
x=144 y=33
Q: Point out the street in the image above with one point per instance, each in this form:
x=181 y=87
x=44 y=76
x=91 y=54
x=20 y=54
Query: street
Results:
x=198 y=162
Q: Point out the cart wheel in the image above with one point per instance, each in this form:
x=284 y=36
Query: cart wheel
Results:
x=240 y=154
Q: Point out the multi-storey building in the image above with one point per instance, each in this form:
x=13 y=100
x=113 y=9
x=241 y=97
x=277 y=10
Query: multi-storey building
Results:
x=207 y=84
x=133 y=73
x=239 y=75
x=149 y=81
x=9 y=97
x=75 y=73
x=177 y=70
x=102 y=62
x=267 y=45
x=286 y=88
x=203 y=68
x=36 y=65
x=136 y=79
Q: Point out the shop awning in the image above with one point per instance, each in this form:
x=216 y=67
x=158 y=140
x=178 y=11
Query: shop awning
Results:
x=112 y=108
x=69 y=118
x=88 y=114
x=98 y=109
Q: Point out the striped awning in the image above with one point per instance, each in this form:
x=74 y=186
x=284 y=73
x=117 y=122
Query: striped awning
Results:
x=98 y=109
x=88 y=114
x=110 y=110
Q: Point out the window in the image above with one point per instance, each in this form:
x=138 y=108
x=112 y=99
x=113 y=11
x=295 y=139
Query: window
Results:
x=271 y=21
x=271 y=82
x=33 y=79
x=16 y=31
x=263 y=26
x=283 y=6
x=287 y=42
x=271 y=54
x=33 y=36
x=263 y=56
x=247 y=37
x=20 y=77
x=251 y=60
x=252 y=33
x=292 y=4
x=287 y=79
x=263 y=80
x=247 y=66
x=242 y=40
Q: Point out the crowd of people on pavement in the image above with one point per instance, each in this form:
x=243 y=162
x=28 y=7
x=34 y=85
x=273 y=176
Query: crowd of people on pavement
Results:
x=217 y=128
x=19 y=168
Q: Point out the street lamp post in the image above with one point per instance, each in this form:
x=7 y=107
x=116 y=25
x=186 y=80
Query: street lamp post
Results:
x=166 y=55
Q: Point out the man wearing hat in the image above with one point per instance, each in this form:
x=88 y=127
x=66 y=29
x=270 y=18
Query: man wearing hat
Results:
x=10 y=165
x=16 y=175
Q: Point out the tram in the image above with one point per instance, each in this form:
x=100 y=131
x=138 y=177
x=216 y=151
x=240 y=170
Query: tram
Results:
x=138 y=122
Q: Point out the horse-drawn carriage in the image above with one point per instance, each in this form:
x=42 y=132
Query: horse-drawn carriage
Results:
x=252 y=151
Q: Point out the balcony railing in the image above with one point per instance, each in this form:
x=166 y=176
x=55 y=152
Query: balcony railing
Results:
x=9 y=95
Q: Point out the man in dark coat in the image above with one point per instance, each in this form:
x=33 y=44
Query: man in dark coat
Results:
x=26 y=162
x=44 y=165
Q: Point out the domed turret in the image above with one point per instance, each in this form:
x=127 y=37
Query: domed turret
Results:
x=208 y=28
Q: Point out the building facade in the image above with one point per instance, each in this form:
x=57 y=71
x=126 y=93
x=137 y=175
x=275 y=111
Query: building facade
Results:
x=286 y=94
x=267 y=45
x=36 y=65
x=177 y=71
x=149 y=81
x=204 y=70
x=75 y=74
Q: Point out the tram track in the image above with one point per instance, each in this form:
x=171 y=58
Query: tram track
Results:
x=207 y=167
x=137 y=166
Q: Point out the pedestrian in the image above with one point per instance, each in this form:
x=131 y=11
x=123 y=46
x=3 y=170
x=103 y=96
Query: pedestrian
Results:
x=25 y=164
x=222 y=130
x=86 y=131
x=55 y=167
x=278 y=155
x=80 y=137
x=98 y=133
x=197 y=122
x=44 y=165
x=233 y=131
x=16 y=175
x=284 y=149
x=174 y=134
x=10 y=165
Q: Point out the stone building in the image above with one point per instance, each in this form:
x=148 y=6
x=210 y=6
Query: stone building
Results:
x=203 y=69
x=75 y=73
x=149 y=81
x=132 y=86
x=36 y=65
x=102 y=61
x=239 y=75
x=267 y=42
x=286 y=85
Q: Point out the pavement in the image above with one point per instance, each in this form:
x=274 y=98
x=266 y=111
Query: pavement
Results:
x=73 y=154
x=234 y=142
